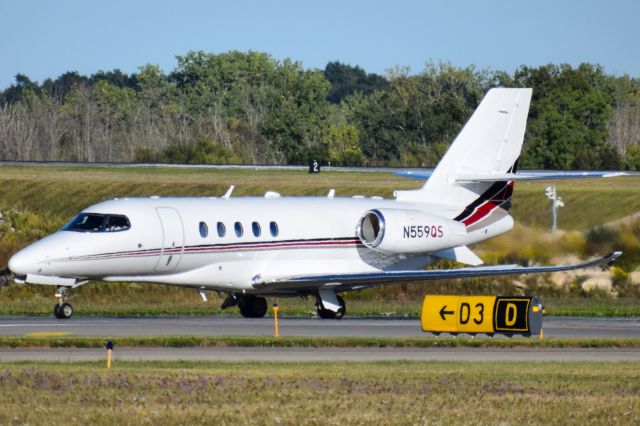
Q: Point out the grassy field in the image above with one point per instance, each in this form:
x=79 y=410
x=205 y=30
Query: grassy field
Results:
x=320 y=393
x=428 y=341
x=60 y=192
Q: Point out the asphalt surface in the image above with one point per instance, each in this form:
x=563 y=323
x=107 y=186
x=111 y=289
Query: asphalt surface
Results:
x=322 y=354
x=369 y=327
x=562 y=327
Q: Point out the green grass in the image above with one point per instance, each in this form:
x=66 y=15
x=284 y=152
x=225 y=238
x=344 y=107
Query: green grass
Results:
x=588 y=202
x=428 y=341
x=66 y=190
x=63 y=191
x=592 y=307
x=320 y=393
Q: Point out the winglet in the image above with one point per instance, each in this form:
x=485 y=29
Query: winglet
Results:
x=612 y=256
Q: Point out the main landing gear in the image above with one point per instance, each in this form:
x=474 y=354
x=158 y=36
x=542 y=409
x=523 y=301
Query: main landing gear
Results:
x=325 y=313
x=253 y=306
x=62 y=310
x=250 y=306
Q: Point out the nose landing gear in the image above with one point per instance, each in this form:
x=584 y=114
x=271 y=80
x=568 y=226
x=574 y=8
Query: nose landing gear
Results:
x=62 y=309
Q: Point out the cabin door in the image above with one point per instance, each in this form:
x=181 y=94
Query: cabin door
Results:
x=172 y=239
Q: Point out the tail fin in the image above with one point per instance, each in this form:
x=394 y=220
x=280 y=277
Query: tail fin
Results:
x=489 y=144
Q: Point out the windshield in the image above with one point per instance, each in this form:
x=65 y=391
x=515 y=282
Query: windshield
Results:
x=92 y=222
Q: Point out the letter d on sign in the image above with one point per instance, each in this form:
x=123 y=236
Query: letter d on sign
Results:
x=511 y=315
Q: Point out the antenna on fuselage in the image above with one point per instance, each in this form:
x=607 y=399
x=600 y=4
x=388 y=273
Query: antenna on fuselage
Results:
x=229 y=191
x=332 y=193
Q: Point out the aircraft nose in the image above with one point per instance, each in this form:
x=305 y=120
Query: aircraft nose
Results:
x=20 y=263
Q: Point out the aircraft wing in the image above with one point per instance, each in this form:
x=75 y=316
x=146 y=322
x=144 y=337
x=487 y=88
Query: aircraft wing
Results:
x=343 y=282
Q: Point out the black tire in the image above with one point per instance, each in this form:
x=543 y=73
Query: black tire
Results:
x=328 y=314
x=259 y=307
x=56 y=310
x=325 y=313
x=343 y=308
x=253 y=307
x=65 y=311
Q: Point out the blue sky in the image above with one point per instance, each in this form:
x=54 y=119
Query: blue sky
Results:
x=46 y=38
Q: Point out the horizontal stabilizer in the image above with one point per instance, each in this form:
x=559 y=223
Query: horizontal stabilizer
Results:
x=499 y=177
x=343 y=282
x=414 y=174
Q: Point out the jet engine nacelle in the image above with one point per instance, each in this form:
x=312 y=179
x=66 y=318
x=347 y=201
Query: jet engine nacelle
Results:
x=408 y=231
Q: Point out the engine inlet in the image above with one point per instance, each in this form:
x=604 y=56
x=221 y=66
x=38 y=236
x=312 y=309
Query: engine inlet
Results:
x=370 y=229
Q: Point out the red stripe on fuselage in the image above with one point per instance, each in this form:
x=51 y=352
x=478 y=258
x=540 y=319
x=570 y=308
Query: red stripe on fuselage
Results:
x=230 y=247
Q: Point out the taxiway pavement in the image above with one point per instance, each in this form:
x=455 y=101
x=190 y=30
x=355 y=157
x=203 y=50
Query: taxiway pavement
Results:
x=562 y=327
x=227 y=354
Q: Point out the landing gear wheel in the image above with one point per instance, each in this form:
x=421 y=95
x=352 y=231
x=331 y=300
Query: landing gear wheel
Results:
x=253 y=307
x=63 y=310
x=328 y=314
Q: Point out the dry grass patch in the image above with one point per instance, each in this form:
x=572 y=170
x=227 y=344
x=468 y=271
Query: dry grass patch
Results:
x=325 y=393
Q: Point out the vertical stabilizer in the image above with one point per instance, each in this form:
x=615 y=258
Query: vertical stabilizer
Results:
x=489 y=144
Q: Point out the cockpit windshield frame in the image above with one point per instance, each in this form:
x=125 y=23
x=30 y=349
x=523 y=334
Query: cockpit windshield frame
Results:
x=98 y=222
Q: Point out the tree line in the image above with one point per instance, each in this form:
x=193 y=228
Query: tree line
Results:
x=249 y=108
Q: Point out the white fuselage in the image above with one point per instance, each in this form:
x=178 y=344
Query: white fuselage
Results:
x=168 y=243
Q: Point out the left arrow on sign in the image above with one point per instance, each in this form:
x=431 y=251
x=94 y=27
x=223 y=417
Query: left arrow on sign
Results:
x=444 y=312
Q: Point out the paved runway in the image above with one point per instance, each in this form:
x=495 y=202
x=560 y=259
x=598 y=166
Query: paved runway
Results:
x=323 y=354
x=564 y=327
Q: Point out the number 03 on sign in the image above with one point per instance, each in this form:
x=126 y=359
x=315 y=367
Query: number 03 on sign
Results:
x=481 y=314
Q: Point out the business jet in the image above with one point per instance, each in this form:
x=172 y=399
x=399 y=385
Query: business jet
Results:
x=253 y=247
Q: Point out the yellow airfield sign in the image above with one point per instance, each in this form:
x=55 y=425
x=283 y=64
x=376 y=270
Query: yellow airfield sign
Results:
x=481 y=314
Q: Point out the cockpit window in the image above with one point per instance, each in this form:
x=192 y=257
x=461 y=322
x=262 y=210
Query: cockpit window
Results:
x=117 y=223
x=92 y=222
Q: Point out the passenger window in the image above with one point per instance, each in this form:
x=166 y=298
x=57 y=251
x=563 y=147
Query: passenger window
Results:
x=222 y=230
x=273 y=227
x=255 y=227
x=238 y=229
x=204 y=230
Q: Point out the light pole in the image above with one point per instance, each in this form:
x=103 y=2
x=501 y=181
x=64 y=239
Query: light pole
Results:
x=555 y=203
